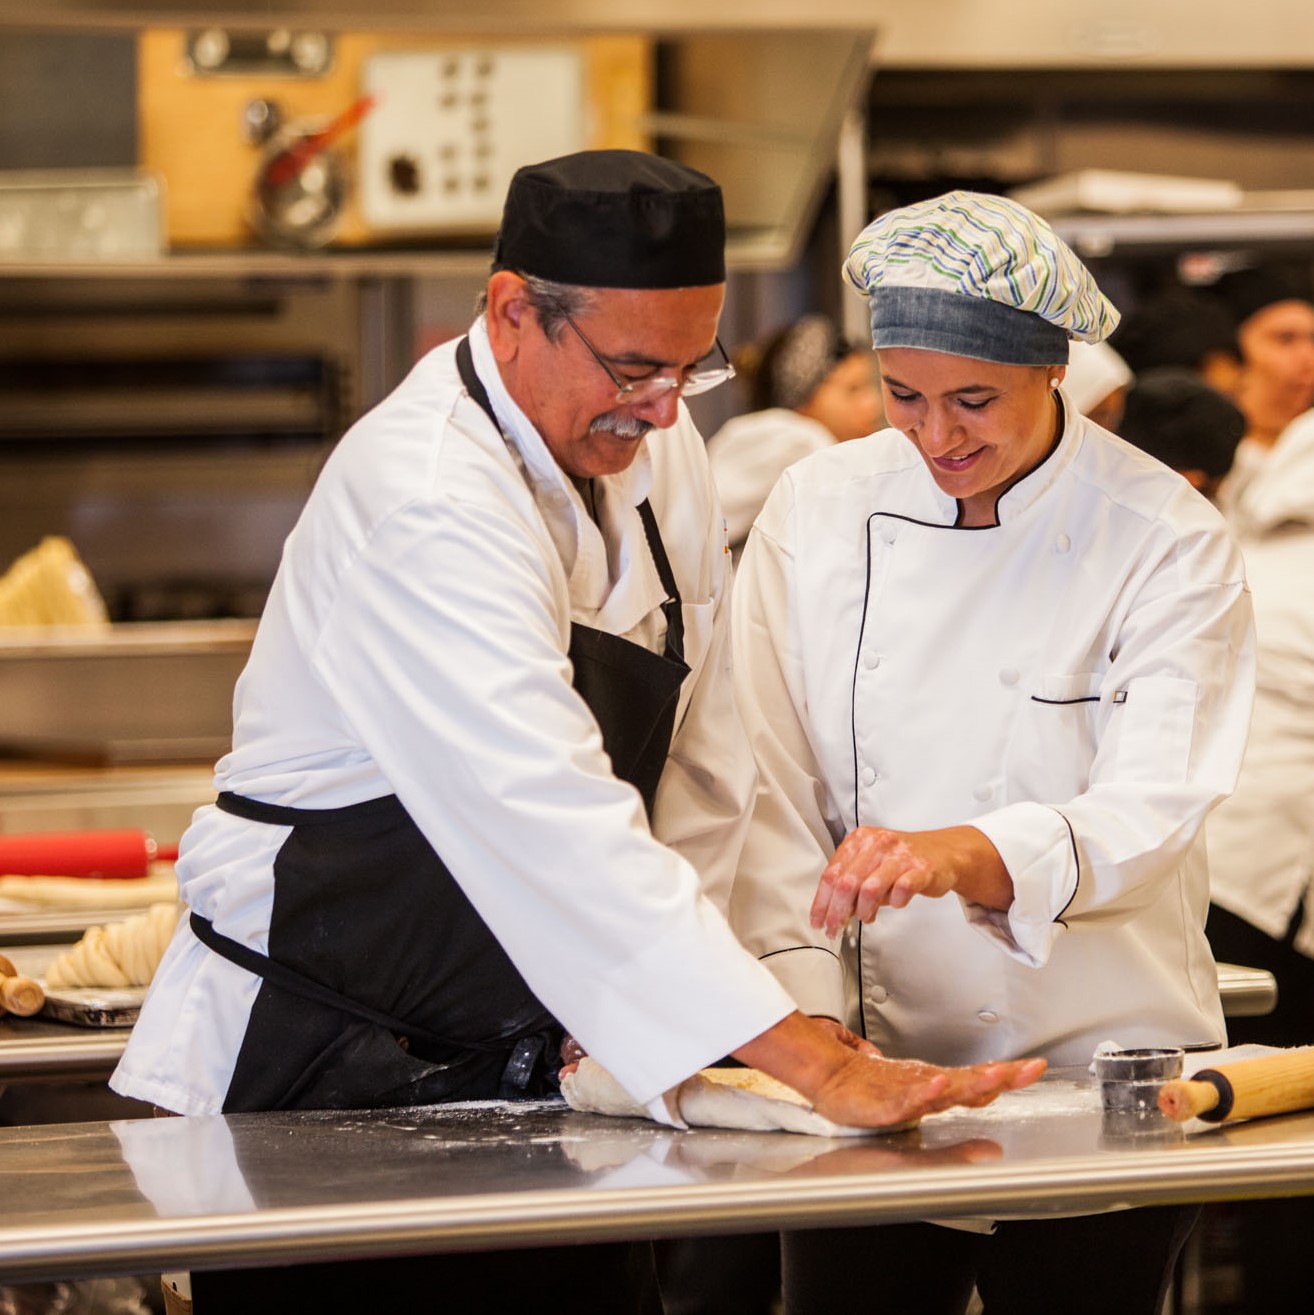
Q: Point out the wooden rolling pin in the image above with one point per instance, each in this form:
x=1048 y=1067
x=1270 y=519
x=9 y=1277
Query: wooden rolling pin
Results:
x=1249 y=1089
x=19 y=995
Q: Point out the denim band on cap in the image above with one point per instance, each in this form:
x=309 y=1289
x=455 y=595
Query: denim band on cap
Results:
x=941 y=321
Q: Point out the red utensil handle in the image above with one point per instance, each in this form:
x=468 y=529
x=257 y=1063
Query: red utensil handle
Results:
x=125 y=852
x=289 y=163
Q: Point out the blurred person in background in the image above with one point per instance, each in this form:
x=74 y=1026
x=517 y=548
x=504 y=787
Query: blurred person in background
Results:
x=808 y=389
x=1097 y=382
x=1272 y=307
x=1180 y=327
x=1174 y=415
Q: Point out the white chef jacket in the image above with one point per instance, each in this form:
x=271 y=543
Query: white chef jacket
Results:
x=747 y=455
x=1075 y=682
x=415 y=643
x=1261 y=840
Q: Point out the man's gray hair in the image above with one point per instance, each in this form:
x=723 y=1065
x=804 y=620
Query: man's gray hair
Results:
x=550 y=302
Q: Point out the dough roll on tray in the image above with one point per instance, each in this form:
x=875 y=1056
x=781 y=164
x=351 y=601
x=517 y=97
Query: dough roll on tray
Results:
x=119 y=954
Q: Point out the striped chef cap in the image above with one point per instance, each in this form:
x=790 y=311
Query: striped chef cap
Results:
x=976 y=275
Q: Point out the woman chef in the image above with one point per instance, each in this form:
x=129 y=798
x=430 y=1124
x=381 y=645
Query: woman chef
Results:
x=997 y=666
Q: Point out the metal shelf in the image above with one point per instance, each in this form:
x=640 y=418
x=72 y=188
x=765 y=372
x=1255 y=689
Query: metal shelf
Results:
x=1267 y=225
x=747 y=249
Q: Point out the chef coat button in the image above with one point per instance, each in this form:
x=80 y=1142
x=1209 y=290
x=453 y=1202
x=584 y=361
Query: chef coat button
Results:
x=889 y=533
x=869 y=776
x=878 y=995
x=871 y=661
x=1063 y=543
x=558 y=497
x=1009 y=676
x=982 y=793
x=988 y=1016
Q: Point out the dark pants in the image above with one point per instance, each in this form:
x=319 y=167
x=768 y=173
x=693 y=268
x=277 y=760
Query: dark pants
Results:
x=567 y=1280
x=733 y=1275
x=1272 y=1237
x=1120 y=1262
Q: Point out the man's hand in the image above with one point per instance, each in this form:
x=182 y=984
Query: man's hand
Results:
x=871 y=1091
x=855 y=1087
x=874 y=867
x=844 y=1036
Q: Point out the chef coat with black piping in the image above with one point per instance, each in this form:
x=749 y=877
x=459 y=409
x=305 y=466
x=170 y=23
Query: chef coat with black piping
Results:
x=415 y=644
x=1075 y=681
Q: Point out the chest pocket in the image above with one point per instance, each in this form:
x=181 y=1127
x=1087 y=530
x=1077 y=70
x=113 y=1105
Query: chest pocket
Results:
x=1055 y=735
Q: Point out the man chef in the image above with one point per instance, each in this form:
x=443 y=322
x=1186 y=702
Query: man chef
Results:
x=487 y=778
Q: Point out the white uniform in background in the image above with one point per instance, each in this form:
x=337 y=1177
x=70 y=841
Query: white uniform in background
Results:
x=1261 y=840
x=415 y=644
x=747 y=455
x=1094 y=371
x=1075 y=682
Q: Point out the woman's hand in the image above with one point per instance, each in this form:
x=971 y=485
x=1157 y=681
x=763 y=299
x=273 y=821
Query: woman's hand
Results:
x=874 y=867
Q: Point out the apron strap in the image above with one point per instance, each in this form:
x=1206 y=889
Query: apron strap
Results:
x=671 y=608
x=288 y=979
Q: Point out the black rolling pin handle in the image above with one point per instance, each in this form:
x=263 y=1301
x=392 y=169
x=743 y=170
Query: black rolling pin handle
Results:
x=1225 y=1095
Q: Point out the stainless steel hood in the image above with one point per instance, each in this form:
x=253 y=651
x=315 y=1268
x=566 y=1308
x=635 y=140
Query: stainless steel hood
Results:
x=922 y=33
x=518 y=17
x=759 y=105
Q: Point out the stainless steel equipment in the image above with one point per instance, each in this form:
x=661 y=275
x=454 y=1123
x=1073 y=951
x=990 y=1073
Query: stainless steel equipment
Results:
x=171 y=429
x=123 y=693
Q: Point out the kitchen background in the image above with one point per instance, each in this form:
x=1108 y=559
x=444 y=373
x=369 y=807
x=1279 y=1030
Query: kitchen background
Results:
x=186 y=326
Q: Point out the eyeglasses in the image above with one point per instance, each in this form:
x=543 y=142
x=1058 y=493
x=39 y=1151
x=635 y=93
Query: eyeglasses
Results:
x=635 y=392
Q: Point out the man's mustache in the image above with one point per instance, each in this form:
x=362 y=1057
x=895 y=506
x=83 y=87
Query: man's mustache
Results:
x=623 y=426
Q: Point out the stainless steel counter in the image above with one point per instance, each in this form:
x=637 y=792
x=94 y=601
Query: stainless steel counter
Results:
x=133 y=1196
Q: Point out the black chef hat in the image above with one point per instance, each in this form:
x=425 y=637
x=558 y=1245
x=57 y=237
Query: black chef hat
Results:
x=1245 y=292
x=1174 y=415
x=613 y=219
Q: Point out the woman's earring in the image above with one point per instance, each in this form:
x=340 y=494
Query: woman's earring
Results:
x=1053 y=383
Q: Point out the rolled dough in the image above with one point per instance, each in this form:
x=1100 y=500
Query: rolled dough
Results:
x=91 y=892
x=741 y=1098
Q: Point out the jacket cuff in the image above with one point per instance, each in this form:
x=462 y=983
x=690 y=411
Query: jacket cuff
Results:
x=1040 y=852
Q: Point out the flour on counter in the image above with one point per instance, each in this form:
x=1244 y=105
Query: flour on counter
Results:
x=1050 y=1099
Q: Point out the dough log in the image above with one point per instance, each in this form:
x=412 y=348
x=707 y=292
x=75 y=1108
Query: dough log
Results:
x=740 y=1098
x=116 y=955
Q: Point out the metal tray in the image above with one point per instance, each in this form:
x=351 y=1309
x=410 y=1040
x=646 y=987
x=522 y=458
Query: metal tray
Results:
x=125 y=693
x=94 y=1007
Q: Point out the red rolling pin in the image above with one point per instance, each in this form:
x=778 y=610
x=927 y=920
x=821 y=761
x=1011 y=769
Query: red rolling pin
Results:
x=124 y=852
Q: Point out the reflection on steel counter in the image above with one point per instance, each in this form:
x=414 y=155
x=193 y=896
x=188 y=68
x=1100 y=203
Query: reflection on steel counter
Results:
x=270 y=1188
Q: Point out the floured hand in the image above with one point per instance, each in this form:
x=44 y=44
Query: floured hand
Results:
x=868 y=1090
x=740 y=1098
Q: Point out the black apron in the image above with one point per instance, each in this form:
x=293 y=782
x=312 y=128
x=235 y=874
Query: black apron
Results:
x=383 y=986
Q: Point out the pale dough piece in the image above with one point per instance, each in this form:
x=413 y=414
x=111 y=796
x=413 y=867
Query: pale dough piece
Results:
x=91 y=892
x=49 y=585
x=120 y=954
x=741 y=1098
x=593 y=1090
